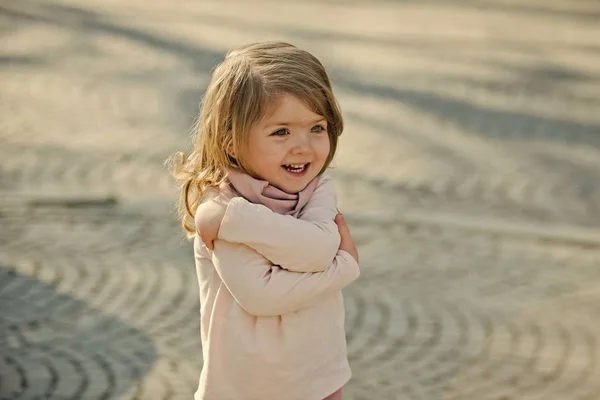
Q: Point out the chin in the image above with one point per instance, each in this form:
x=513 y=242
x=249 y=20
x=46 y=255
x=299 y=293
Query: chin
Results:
x=293 y=188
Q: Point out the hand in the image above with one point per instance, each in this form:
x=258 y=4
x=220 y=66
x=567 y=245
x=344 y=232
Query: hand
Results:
x=346 y=244
x=209 y=216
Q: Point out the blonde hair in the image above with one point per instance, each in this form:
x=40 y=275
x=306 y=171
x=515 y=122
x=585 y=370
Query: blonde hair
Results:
x=241 y=89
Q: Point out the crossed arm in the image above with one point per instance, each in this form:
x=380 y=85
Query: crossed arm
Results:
x=264 y=289
x=274 y=264
x=305 y=244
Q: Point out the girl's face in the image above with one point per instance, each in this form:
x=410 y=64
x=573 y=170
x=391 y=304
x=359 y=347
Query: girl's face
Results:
x=289 y=146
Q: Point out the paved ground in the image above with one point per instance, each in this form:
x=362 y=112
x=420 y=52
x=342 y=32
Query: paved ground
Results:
x=469 y=170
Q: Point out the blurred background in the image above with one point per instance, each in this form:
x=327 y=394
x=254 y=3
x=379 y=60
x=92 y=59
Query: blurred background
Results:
x=469 y=172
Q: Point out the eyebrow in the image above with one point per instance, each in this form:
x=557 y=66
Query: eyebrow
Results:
x=321 y=119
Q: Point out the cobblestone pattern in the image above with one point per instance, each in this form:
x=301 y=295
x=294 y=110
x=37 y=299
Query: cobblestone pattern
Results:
x=438 y=312
x=491 y=110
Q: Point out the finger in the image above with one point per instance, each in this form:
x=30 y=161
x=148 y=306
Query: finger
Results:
x=341 y=222
x=206 y=242
x=343 y=227
x=209 y=244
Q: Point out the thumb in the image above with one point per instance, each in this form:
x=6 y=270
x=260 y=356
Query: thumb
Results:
x=207 y=243
x=340 y=222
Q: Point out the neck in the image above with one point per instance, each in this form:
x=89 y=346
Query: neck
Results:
x=261 y=192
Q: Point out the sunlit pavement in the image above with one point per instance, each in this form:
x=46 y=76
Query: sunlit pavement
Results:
x=469 y=171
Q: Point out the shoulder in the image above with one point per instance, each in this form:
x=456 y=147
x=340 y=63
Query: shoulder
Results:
x=325 y=183
x=213 y=200
x=323 y=202
x=325 y=188
x=210 y=195
x=217 y=193
x=200 y=249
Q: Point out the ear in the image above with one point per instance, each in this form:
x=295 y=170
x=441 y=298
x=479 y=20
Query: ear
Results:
x=231 y=154
x=231 y=150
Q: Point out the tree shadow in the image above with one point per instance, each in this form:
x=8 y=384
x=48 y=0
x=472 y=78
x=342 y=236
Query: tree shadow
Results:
x=522 y=7
x=473 y=119
x=86 y=22
x=83 y=23
x=478 y=119
x=438 y=149
x=21 y=60
x=55 y=346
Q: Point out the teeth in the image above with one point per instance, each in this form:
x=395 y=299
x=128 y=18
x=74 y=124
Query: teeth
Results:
x=295 y=167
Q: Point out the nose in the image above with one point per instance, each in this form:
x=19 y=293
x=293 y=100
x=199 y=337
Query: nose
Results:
x=302 y=144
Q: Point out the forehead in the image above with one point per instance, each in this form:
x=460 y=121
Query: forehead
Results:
x=288 y=109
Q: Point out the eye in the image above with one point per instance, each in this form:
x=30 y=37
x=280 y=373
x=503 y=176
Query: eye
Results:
x=318 y=129
x=280 y=132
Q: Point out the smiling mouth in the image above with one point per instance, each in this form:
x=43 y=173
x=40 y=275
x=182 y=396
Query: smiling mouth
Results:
x=296 y=168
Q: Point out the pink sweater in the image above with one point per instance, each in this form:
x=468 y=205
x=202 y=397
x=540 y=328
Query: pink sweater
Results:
x=272 y=312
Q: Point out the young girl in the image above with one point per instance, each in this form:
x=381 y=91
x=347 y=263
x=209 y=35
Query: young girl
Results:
x=272 y=253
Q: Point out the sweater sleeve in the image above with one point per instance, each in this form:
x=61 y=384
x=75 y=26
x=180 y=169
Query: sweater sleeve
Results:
x=305 y=244
x=264 y=289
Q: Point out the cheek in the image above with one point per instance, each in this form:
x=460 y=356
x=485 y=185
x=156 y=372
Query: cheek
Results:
x=261 y=151
x=268 y=156
x=273 y=154
x=323 y=146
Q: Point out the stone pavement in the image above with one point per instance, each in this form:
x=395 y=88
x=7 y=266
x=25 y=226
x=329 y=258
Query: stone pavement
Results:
x=469 y=171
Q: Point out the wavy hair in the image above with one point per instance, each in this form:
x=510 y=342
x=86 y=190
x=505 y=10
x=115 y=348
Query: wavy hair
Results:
x=239 y=94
